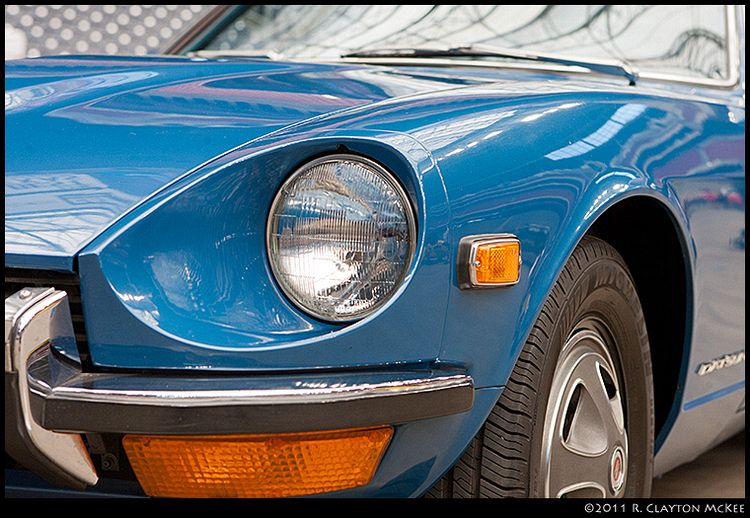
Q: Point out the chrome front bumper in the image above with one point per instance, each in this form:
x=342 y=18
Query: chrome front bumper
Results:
x=33 y=317
x=49 y=401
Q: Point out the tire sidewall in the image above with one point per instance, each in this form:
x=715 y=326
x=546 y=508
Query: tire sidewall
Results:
x=604 y=292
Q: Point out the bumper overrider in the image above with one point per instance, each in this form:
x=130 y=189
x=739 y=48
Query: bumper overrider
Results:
x=252 y=435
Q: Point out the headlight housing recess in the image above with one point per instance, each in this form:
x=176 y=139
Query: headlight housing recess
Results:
x=341 y=236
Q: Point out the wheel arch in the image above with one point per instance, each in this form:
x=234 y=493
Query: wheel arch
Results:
x=651 y=240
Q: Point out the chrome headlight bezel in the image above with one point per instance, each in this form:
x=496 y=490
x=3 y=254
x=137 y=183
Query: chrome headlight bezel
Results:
x=409 y=213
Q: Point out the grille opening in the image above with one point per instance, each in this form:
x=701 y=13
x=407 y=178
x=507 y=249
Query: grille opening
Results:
x=17 y=279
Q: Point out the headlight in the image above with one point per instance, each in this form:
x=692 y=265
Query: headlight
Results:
x=341 y=236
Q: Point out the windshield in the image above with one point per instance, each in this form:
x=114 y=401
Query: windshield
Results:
x=686 y=40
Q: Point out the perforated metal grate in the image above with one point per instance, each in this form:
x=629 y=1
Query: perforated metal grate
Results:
x=38 y=30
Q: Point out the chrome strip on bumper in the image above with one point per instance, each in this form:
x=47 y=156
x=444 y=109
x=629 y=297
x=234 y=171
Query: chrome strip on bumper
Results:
x=298 y=392
x=71 y=401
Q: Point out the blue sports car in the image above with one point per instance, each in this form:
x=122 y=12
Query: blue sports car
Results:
x=392 y=251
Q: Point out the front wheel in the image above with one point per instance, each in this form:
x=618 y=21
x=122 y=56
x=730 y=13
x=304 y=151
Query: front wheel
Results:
x=576 y=418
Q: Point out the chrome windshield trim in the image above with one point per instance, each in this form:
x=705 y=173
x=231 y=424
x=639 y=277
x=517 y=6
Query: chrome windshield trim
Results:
x=450 y=62
x=733 y=61
x=252 y=54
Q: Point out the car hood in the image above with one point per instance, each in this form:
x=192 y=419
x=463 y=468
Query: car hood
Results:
x=89 y=138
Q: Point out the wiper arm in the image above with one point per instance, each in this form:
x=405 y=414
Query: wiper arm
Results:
x=604 y=66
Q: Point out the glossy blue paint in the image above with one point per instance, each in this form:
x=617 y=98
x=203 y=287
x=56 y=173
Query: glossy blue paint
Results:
x=246 y=322
x=118 y=129
x=178 y=259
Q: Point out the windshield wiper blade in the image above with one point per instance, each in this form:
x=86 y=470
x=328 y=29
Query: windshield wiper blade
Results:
x=604 y=66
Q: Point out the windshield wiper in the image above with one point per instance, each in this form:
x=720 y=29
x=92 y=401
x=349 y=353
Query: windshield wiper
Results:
x=604 y=66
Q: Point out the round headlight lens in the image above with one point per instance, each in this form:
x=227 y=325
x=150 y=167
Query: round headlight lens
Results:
x=340 y=237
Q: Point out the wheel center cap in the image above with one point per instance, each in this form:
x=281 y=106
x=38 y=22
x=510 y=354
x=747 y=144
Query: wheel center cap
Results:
x=617 y=469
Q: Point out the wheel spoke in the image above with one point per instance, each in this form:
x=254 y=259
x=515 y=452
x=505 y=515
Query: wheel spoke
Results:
x=592 y=373
x=585 y=437
x=575 y=472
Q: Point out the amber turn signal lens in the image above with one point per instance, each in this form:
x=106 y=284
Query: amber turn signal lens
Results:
x=256 y=466
x=497 y=263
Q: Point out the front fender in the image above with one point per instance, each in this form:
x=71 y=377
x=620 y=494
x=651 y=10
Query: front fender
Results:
x=545 y=168
x=187 y=273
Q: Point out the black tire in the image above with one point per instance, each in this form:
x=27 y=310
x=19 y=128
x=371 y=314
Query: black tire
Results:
x=505 y=457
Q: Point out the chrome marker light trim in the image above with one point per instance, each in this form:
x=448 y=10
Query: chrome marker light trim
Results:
x=467 y=254
x=33 y=318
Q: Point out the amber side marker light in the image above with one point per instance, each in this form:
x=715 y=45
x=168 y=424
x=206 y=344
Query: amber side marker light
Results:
x=256 y=466
x=497 y=264
x=489 y=260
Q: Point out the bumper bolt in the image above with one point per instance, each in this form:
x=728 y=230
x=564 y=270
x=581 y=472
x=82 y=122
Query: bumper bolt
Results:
x=109 y=462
